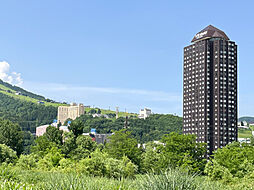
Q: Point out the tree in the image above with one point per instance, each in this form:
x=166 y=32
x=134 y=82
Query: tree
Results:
x=76 y=127
x=151 y=158
x=27 y=162
x=11 y=135
x=236 y=158
x=42 y=146
x=69 y=144
x=123 y=144
x=28 y=142
x=85 y=146
x=183 y=151
x=7 y=154
x=54 y=135
x=51 y=159
x=92 y=111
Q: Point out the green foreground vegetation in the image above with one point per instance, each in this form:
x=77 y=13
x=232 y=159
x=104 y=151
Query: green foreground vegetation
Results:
x=71 y=160
x=171 y=179
x=244 y=133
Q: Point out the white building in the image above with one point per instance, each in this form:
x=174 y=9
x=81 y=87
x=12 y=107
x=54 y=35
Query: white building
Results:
x=243 y=125
x=144 y=113
x=42 y=129
x=244 y=140
x=100 y=115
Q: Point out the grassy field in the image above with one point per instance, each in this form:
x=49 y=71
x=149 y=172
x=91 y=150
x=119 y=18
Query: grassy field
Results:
x=103 y=111
x=11 y=93
x=244 y=133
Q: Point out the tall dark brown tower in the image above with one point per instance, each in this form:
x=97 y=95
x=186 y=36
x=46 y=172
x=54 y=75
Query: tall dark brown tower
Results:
x=210 y=88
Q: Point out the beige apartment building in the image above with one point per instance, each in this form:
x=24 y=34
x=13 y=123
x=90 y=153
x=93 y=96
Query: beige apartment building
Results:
x=69 y=112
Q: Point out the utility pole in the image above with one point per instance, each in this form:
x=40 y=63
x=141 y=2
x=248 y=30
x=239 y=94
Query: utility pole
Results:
x=117 y=112
x=126 y=123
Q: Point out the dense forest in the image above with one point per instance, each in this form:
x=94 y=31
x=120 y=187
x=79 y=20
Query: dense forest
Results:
x=27 y=114
x=152 y=128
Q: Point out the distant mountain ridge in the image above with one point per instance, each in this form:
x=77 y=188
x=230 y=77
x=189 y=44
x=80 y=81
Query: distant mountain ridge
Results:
x=248 y=119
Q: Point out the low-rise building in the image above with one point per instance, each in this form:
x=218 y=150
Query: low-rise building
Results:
x=98 y=138
x=243 y=125
x=41 y=130
x=244 y=140
x=144 y=113
x=64 y=128
x=100 y=115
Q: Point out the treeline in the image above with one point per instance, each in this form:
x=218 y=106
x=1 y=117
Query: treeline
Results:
x=150 y=129
x=231 y=167
x=27 y=114
x=120 y=157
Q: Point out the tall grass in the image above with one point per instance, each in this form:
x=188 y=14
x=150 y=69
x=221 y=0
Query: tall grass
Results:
x=70 y=181
x=13 y=185
x=177 y=180
x=38 y=180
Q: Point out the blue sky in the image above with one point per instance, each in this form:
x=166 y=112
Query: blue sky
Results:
x=117 y=53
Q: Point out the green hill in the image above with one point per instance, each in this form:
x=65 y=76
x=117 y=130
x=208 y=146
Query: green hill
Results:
x=247 y=118
x=150 y=129
x=21 y=94
x=30 y=110
x=22 y=107
x=26 y=113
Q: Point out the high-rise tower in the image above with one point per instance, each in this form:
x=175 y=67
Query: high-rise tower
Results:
x=210 y=88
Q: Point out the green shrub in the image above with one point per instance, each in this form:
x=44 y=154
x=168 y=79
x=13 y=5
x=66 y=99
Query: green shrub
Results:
x=120 y=168
x=50 y=160
x=233 y=161
x=27 y=162
x=66 y=165
x=7 y=154
x=94 y=165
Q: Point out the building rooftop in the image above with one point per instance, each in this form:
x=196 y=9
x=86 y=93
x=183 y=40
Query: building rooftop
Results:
x=209 y=32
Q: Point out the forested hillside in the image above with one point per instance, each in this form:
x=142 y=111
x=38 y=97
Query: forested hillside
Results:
x=150 y=129
x=27 y=114
x=25 y=110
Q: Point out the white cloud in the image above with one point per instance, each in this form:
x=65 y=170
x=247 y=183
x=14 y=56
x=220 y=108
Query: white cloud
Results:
x=7 y=76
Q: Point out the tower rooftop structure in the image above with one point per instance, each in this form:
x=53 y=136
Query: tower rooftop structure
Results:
x=209 y=32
